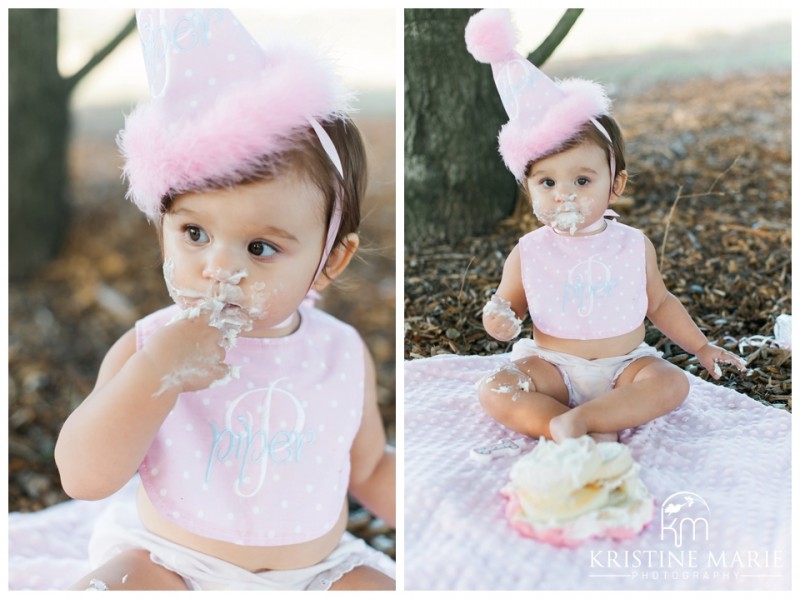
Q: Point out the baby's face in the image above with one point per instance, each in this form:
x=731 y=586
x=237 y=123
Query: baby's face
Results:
x=250 y=251
x=570 y=191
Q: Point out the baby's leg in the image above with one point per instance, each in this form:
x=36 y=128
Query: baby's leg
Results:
x=648 y=388
x=131 y=570
x=525 y=396
x=364 y=578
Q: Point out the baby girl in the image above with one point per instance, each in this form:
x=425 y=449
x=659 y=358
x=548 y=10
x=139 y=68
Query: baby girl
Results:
x=587 y=280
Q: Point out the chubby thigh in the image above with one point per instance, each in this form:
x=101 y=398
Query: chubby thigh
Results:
x=525 y=395
x=668 y=382
x=130 y=570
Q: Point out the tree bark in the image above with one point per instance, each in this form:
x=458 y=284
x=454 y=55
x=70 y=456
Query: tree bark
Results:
x=37 y=133
x=456 y=184
x=38 y=137
x=455 y=181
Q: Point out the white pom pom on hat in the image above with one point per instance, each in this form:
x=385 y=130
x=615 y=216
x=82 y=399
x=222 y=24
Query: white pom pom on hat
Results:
x=543 y=114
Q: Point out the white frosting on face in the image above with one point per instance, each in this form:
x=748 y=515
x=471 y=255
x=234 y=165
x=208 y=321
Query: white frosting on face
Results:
x=230 y=310
x=229 y=306
x=580 y=487
x=568 y=214
x=568 y=220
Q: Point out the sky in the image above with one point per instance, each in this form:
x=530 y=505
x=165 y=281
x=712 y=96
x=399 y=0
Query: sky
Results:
x=626 y=30
x=368 y=42
x=362 y=42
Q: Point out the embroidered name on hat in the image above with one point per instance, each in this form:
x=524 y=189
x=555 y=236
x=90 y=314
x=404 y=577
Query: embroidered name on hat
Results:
x=183 y=35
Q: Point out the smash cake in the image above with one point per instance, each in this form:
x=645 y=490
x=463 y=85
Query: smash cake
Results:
x=567 y=493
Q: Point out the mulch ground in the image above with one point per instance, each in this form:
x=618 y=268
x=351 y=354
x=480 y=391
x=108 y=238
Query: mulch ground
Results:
x=710 y=165
x=63 y=321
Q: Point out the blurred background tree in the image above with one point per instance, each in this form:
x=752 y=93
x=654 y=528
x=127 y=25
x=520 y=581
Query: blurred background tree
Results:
x=38 y=132
x=455 y=182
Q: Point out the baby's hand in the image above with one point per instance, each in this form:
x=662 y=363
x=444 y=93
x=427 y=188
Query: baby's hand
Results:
x=499 y=319
x=710 y=356
x=187 y=355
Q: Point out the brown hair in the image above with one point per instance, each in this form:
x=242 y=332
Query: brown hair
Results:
x=307 y=155
x=590 y=133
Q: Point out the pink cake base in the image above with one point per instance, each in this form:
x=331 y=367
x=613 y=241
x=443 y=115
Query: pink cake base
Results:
x=563 y=536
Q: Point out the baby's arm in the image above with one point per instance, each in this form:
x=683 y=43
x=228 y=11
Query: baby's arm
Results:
x=105 y=439
x=503 y=313
x=667 y=313
x=372 y=461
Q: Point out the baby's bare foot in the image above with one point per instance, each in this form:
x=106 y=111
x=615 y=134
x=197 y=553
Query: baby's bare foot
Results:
x=566 y=426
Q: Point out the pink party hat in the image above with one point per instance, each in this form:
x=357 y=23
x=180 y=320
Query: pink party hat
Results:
x=542 y=114
x=221 y=103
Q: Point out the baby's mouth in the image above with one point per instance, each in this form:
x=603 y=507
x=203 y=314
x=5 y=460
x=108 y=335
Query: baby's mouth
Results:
x=566 y=216
x=231 y=310
x=568 y=220
x=224 y=304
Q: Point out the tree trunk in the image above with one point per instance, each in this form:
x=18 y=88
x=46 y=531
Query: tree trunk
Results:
x=37 y=134
x=455 y=181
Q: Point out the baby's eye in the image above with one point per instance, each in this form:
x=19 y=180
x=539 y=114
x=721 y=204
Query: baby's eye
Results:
x=262 y=249
x=582 y=181
x=196 y=234
x=548 y=183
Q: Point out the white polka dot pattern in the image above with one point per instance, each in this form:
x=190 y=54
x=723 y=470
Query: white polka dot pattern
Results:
x=591 y=287
x=271 y=448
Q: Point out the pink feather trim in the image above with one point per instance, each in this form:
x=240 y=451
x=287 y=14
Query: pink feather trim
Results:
x=242 y=126
x=520 y=144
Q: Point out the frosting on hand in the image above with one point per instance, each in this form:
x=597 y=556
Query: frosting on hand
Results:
x=499 y=319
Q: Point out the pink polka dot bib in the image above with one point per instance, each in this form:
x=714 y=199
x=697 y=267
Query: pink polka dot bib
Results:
x=585 y=287
x=264 y=459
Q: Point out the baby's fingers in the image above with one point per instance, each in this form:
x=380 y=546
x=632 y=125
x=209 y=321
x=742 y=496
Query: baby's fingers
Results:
x=733 y=360
x=727 y=358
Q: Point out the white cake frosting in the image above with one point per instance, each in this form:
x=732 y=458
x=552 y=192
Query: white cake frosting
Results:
x=568 y=492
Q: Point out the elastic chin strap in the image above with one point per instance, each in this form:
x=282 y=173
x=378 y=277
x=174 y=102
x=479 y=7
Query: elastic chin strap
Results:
x=336 y=216
x=613 y=160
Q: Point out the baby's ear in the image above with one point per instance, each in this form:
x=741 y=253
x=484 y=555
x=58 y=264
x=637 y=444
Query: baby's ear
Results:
x=338 y=260
x=620 y=182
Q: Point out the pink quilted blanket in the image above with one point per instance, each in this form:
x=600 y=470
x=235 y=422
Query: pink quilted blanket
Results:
x=48 y=550
x=719 y=468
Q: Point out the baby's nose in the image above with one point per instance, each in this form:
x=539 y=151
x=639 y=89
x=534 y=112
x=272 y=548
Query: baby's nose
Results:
x=565 y=197
x=223 y=275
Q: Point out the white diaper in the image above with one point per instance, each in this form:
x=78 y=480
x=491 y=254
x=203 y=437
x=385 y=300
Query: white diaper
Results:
x=119 y=528
x=585 y=379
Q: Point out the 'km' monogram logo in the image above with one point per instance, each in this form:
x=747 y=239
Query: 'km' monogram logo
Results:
x=683 y=513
